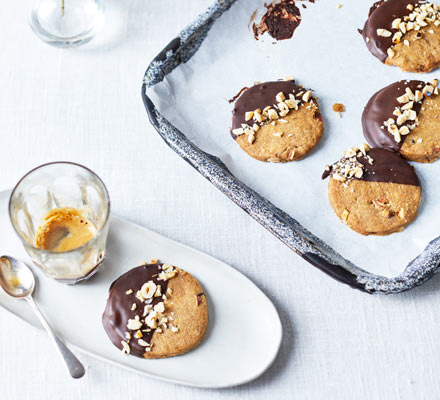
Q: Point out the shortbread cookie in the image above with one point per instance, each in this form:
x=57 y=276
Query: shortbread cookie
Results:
x=404 y=33
x=156 y=311
x=405 y=117
x=373 y=192
x=277 y=121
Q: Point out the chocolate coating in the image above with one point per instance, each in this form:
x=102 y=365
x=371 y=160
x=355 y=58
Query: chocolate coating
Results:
x=381 y=16
x=280 y=20
x=260 y=96
x=387 y=167
x=380 y=107
x=118 y=308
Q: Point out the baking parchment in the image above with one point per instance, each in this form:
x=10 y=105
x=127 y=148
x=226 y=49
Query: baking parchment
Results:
x=328 y=55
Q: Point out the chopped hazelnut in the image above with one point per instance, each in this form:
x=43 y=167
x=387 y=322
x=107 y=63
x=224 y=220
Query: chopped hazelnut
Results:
x=159 y=307
x=248 y=115
x=383 y=32
x=238 y=131
x=280 y=97
x=151 y=319
x=307 y=96
x=345 y=215
x=142 y=342
x=125 y=347
x=148 y=289
x=134 y=324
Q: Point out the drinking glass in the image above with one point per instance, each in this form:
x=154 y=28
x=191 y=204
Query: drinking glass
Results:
x=65 y=23
x=58 y=185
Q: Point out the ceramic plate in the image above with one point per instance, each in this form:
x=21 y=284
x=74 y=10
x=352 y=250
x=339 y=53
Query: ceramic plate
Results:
x=244 y=332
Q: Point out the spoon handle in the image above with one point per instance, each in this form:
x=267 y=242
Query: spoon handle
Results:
x=74 y=366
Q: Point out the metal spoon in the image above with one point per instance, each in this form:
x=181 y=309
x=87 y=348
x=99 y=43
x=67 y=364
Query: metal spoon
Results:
x=17 y=280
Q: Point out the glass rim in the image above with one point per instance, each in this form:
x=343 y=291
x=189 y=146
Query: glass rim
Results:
x=44 y=251
x=71 y=40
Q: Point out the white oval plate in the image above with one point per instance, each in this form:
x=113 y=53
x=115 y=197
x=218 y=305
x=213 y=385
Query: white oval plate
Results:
x=244 y=332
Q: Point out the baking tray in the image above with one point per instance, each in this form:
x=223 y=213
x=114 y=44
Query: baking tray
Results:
x=283 y=226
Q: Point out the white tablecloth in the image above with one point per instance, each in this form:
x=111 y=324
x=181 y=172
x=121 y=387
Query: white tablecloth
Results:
x=84 y=105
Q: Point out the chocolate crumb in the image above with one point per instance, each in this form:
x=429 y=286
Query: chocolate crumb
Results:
x=280 y=20
x=199 y=298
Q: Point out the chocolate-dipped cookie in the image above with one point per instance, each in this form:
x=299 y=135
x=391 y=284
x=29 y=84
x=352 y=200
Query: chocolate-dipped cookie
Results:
x=373 y=191
x=405 y=117
x=404 y=33
x=155 y=311
x=276 y=121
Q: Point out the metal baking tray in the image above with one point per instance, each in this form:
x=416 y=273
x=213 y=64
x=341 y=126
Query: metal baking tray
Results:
x=275 y=220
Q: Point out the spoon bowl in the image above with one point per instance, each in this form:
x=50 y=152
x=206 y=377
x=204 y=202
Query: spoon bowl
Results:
x=16 y=278
x=18 y=281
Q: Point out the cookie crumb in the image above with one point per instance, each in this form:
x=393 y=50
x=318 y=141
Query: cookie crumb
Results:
x=338 y=107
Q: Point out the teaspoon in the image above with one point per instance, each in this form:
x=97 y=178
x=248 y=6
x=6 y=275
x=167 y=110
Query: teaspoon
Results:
x=18 y=281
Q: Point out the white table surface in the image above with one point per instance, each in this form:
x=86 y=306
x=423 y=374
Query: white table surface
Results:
x=84 y=105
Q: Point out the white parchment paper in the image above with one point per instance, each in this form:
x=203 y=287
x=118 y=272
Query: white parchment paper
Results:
x=328 y=55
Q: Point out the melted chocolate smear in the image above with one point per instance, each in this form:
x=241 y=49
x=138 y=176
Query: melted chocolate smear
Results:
x=118 y=309
x=238 y=94
x=260 y=96
x=380 y=107
x=387 y=167
x=280 y=20
x=381 y=16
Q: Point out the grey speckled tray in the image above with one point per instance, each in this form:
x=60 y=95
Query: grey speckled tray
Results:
x=282 y=225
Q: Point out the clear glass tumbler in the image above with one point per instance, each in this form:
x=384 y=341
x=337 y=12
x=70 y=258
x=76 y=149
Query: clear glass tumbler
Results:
x=65 y=23
x=61 y=185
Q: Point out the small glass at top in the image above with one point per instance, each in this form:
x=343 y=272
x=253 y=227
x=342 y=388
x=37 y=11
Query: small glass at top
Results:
x=61 y=214
x=66 y=23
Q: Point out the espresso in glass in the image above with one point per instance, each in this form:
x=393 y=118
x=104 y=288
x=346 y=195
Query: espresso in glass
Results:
x=61 y=213
x=64 y=229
